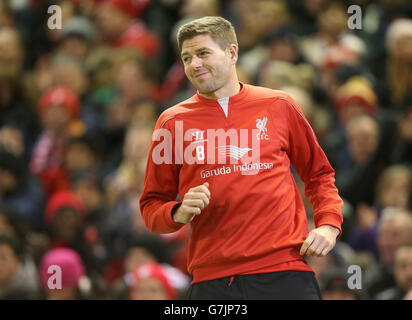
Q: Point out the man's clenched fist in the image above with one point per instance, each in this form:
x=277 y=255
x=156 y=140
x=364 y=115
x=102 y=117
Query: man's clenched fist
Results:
x=319 y=241
x=194 y=201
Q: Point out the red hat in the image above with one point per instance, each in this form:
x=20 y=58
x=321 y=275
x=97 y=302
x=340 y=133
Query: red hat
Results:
x=60 y=200
x=70 y=263
x=357 y=90
x=133 y=8
x=63 y=96
x=152 y=270
x=139 y=37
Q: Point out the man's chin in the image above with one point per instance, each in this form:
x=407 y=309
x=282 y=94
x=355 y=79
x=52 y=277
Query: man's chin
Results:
x=205 y=89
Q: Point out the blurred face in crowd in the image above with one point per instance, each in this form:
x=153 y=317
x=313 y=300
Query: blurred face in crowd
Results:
x=283 y=50
x=75 y=47
x=137 y=144
x=270 y=15
x=79 y=156
x=148 y=289
x=11 y=52
x=89 y=193
x=393 y=232
x=111 y=22
x=9 y=264
x=12 y=139
x=137 y=256
x=332 y=21
x=363 y=138
x=8 y=181
x=70 y=74
x=5 y=226
x=66 y=224
x=56 y=118
x=395 y=193
x=144 y=113
x=131 y=81
x=209 y=67
x=403 y=268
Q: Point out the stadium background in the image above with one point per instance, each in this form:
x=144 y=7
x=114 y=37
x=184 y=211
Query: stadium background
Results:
x=78 y=106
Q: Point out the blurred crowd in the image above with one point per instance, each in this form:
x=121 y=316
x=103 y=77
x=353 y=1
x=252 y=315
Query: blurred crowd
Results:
x=77 y=110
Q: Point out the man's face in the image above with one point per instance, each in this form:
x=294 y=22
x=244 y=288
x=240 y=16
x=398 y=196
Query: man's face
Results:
x=392 y=234
x=207 y=65
x=403 y=268
x=66 y=225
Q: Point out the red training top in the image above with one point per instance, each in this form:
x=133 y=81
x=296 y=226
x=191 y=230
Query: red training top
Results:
x=255 y=221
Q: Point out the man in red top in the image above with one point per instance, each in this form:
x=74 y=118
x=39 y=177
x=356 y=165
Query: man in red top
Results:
x=227 y=152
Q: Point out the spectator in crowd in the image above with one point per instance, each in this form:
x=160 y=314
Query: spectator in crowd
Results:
x=402 y=273
x=12 y=140
x=77 y=38
x=58 y=108
x=118 y=28
x=81 y=154
x=126 y=181
x=64 y=219
x=334 y=286
x=362 y=169
x=63 y=275
x=15 y=107
x=18 y=280
x=19 y=190
x=149 y=281
x=332 y=39
x=402 y=151
x=32 y=243
x=394 y=231
x=148 y=248
x=399 y=63
x=393 y=189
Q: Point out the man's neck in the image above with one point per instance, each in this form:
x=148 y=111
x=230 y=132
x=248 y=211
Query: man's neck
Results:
x=226 y=91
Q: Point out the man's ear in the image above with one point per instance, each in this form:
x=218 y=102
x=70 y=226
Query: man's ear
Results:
x=233 y=52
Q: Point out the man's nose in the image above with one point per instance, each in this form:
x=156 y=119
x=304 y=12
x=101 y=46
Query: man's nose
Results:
x=196 y=62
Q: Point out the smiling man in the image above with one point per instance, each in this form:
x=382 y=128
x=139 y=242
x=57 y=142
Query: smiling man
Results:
x=249 y=228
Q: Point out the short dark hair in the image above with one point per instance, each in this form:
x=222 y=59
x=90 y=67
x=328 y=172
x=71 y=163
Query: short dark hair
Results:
x=221 y=31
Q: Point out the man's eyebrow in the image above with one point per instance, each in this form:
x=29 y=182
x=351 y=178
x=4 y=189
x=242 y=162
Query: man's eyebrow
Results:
x=197 y=50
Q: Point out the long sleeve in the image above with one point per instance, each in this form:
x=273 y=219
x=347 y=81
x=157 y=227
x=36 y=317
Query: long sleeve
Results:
x=161 y=181
x=313 y=167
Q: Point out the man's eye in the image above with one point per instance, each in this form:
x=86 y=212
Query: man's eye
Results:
x=203 y=53
x=186 y=59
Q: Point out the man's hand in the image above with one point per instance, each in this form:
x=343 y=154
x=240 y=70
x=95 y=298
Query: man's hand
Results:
x=319 y=241
x=194 y=201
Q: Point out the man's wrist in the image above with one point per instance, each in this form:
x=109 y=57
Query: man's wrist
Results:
x=175 y=213
x=332 y=228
